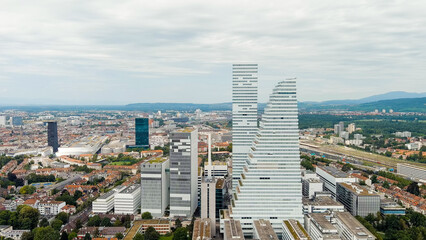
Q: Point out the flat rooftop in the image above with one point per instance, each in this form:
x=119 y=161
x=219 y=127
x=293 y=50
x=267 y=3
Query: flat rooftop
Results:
x=296 y=229
x=107 y=195
x=185 y=130
x=202 y=229
x=264 y=230
x=313 y=180
x=354 y=225
x=156 y=160
x=321 y=201
x=220 y=183
x=233 y=230
x=412 y=166
x=357 y=189
x=334 y=172
x=321 y=220
x=130 y=189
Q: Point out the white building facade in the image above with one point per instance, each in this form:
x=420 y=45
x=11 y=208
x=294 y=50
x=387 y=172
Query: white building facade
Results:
x=270 y=187
x=244 y=115
x=128 y=200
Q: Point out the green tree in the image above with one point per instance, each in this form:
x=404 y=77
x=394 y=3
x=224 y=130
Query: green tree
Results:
x=46 y=233
x=64 y=236
x=138 y=236
x=27 y=236
x=180 y=234
x=63 y=217
x=94 y=221
x=146 y=215
x=43 y=223
x=56 y=224
x=106 y=222
x=27 y=189
x=27 y=212
x=118 y=223
x=87 y=237
x=72 y=235
x=347 y=167
x=119 y=235
x=386 y=185
x=414 y=188
x=151 y=234
x=374 y=179
x=178 y=223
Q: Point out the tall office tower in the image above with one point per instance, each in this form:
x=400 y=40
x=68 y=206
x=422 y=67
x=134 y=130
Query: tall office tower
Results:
x=341 y=126
x=208 y=192
x=155 y=186
x=142 y=132
x=3 y=121
x=52 y=135
x=183 y=172
x=270 y=187
x=244 y=115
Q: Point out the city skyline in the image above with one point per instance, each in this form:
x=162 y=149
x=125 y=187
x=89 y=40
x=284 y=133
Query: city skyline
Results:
x=119 y=53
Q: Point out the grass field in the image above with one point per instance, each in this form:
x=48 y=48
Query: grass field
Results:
x=122 y=163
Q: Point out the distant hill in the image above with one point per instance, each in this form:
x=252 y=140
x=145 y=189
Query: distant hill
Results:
x=374 y=98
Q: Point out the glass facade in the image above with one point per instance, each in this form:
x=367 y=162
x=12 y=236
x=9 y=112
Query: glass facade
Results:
x=142 y=131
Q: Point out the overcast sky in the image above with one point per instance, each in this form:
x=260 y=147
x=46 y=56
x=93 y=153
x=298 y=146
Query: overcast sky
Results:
x=119 y=52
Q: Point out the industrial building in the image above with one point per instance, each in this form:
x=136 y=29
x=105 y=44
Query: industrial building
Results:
x=412 y=171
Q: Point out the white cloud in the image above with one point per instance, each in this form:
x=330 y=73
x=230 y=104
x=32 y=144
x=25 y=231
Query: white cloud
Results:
x=181 y=51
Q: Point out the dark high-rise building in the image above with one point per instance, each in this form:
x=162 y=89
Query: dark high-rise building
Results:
x=142 y=132
x=52 y=135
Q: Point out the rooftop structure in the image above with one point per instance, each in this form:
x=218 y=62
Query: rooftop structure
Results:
x=202 y=229
x=351 y=229
x=233 y=230
x=293 y=230
x=321 y=204
x=262 y=230
x=319 y=227
x=86 y=145
x=412 y=171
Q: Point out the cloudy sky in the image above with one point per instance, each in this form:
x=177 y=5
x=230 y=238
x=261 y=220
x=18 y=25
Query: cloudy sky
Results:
x=119 y=52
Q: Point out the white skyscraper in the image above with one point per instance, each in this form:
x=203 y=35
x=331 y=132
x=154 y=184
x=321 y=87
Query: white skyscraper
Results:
x=270 y=187
x=244 y=115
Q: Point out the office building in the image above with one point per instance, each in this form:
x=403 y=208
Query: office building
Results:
x=293 y=230
x=223 y=186
x=16 y=121
x=321 y=204
x=389 y=207
x=218 y=169
x=155 y=185
x=357 y=200
x=52 y=135
x=128 y=200
x=310 y=186
x=262 y=230
x=3 y=121
x=319 y=227
x=330 y=176
x=351 y=128
x=183 y=172
x=351 y=229
x=202 y=229
x=412 y=171
x=104 y=203
x=270 y=187
x=244 y=115
x=142 y=132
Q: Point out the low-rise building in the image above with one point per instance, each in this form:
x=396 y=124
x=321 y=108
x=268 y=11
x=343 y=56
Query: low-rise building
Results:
x=202 y=229
x=293 y=230
x=232 y=230
x=358 y=200
x=319 y=227
x=412 y=171
x=310 y=186
x=262 y=230
x=321 y=204
x=389 y=207
x=351 y=229
x=50 y=207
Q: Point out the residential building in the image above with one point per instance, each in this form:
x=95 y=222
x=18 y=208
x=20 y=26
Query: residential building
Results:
x=155 y=183
x=202 y=229
x=262 y=230
x=270 y=187
x=244 y=115
x=142 y=132
x=293 y=230
x=351 y=229
x=357 y=200
x=3 y=121
x=52 y=135
x=50 y=207
x=321 y=204
x=351 y=128
x=183 y=172
x=319 y=227
x=330 y=176
x=128 y=200
x=412 y=171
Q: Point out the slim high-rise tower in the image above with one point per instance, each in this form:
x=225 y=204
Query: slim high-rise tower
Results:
x=270 y=186
x=142 y=132
x=52 y=135
x=244 y=115
x=183 y=172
